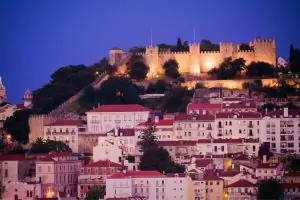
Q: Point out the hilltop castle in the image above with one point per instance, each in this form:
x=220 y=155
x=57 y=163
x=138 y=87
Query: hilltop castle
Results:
x=196 y=61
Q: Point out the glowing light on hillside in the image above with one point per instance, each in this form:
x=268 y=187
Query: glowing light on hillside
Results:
x=195 y=69
x=209 y=64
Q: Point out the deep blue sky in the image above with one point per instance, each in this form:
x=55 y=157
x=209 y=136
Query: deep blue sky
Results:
x=39 y=36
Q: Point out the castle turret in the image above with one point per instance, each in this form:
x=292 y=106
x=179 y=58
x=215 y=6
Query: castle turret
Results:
x=152 y=60
x=116 y=55
x=265 y=50
x=194 y=49
x=27 y=99
x=3 y=97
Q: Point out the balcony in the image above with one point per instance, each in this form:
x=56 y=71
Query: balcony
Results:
x=209 y=128
x=91 y=181
x=250 y=125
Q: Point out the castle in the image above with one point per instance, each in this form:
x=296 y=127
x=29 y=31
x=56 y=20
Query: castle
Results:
x=196 y=61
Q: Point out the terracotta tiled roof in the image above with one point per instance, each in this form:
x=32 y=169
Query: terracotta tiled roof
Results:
x=244 y=104
x=67 y=123
x=230 y=173
x=198 y=117
x=103 y=163
x=121 y=108
x=136 y=174
x=176 y=175
x=177 y=143
x=289 y=174
x=200 y=106
x=125 y=198
x=229 y=140
x=240 y=115
x=161 y=122
x=209 y=175
x=267 y=165
x=203 y=162
x=242 y=183
x=278 y=113
x=290 y=185
x=12 y=157
x=125 y=132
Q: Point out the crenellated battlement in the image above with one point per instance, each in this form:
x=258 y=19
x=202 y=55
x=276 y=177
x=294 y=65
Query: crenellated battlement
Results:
x=209 y=52
x=175 y=53
x=245 y=51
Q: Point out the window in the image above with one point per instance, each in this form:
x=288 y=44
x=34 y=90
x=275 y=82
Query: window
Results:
x=96 y=170
x=103 y=170
x=6 y=173
x=88 y=170
x=112 y=170
x=49 y=168
x=40 y=168
x=82 y=170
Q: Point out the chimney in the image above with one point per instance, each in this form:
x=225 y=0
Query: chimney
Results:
x=156 y=119
x=285 y=112
x=116 y=132
x=264 y=158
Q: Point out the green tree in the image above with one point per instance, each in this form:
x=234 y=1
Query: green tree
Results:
x=159 y=86
x=95 y=193
x=264 y=149
x=270 y=189
x=199 y=85
x=148 y=137
x=46 y=146
x=229 y=68
x=207 y=45
x=294 y=59
x=64 y=83
x=256 y=85
x=136 y=68
x=179 y=45
x=171 y=68
x=17 y=125
x=158 y=159
x=260 y=69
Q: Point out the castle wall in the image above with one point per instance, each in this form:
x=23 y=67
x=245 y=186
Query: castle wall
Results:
x=209 y=60
x=248 y=56
x=36 y=126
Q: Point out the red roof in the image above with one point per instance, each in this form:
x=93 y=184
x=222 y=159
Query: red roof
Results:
x=201 y=106
x=267 y=165
x=161 y=122
x=136 y=174
x=203 y=162
x=244 y=104
x=242 y=183
x=177 y=143
x=290 y=185
x=229 y=140
x=121 y=108
x=103 y=163
x=125 y=198
x=198 y=117
x=67 y=123
x=240 y=115
x=278 y=113
x=230 y=173
x=209 y=175
x=12 y=157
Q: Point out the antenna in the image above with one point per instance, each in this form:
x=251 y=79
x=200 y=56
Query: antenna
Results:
x=194 y=35
x=151 y=37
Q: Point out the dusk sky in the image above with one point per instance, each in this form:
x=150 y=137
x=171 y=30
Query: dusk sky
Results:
x=39 y=36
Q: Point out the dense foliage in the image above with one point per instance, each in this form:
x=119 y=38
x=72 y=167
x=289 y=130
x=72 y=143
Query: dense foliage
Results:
x=270 y=189
x=115 y=90
x=64 y=83
x=160 y=86
x=17 y=125
x=293 y=164
x=264 y=149
x=260 y=69
x=207 y=45
x=95 y=193
x=171 y=68
x=294 y=59
x=158 y=159
x=46 y=146
x=137 y=68
x=148 y=138
x=229 y=68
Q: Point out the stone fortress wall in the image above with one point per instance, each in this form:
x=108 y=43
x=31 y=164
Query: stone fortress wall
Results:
x=195 y=61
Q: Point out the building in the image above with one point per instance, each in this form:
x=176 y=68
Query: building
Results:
x=107 y=117
x=197 y=61
x=242 y=189
x=282 y=128
x=203 y=108
x=214 y=185
x=95 y=173
x=86 y=141
x=3 y=97
x=57 y=172
x=22 y=190
x=150 y=184
x=66 y=131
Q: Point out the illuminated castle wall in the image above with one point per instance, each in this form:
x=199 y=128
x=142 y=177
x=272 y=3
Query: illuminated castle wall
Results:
x=196 y=61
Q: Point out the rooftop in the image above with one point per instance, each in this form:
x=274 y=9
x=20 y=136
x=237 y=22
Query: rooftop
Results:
x=67 y=123
x=136 y=174
x=103 y=163
x=242 y=183
x=121 y=108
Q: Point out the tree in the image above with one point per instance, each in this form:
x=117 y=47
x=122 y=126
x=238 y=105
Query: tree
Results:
x=293 y=164
x=158 y=159
x=136 y=68
x=245 y=47
x=207 y=45
x=255 y=86
x=229 y=68
x=148 y=137
x=95 y=193
x=46 y=146
x=294 y=59
x=199 y=85
x=260 y=69
x=171 y=68
x=159 y=86
x=17 y=125
x=264 y=149
x=269 y=189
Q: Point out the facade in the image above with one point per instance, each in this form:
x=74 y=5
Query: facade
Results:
x=242 y=189
x=66 y=131
x=95 y=173
x=22 y=190
x=214 y=186
x=57 y=172
x=196 y=61
x=150 y=184
x=108 y=117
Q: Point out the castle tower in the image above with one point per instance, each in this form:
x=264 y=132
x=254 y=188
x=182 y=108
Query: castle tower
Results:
x=194 y=50
x=151 y=57
x=265 y=50
x=27 y=98
x=3 y=97
x=115 y=56
x=226 y=49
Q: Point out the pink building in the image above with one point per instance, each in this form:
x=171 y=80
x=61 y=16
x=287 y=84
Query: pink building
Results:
x=203 y=108
x=242 y=189
x=57 y=172
x=95 y=173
